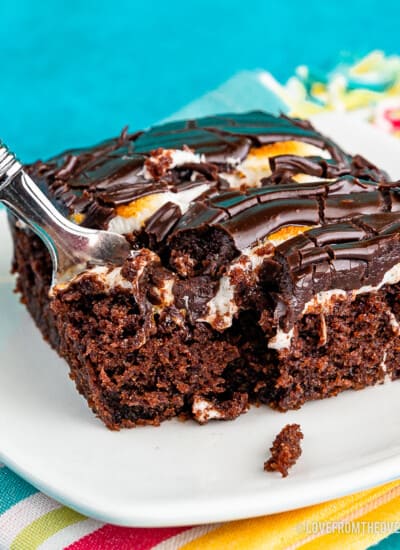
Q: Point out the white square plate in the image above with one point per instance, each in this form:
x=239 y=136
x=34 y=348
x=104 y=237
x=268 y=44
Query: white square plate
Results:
x=183 y=473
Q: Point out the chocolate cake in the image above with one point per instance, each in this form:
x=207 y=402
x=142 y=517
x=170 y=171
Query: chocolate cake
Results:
x=285 y=450
x=265 y=267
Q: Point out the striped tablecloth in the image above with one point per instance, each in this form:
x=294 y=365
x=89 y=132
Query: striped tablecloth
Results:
x=29 y=520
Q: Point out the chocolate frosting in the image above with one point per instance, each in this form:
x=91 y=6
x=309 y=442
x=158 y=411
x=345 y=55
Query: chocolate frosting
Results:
x=249 y=216
x=345 y=255
x=100 y=178
x=355 y=208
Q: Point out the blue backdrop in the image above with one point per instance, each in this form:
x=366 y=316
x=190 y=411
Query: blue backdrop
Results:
x=74 y=72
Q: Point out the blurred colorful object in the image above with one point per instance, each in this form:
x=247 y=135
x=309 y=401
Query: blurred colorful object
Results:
x=370 y=85
x=387 y=115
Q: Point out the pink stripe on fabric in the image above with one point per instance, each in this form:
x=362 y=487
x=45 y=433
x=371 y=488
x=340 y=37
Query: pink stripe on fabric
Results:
x=111 y=537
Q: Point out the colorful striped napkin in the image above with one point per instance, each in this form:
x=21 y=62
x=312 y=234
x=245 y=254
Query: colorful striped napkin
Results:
x=29 y=520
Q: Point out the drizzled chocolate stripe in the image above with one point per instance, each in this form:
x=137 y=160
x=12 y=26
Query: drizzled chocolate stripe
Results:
x=347 y=206
x=161 y=222
x=253 y=225
x=118 y=166
x=222 y=137
x=250 y=216
x=285 y=167
x=111 y=173
x=120 y=193
x=335 y=233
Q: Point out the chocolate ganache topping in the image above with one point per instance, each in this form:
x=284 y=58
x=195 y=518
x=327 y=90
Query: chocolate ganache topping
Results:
x=202 y=193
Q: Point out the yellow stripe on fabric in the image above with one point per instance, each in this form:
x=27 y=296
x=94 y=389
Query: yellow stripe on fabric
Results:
x=286 y=530
x=367 y=530
x=41 y=529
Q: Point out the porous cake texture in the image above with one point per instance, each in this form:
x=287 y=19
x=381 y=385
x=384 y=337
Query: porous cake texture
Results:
x=265 y=268
x=285 y=450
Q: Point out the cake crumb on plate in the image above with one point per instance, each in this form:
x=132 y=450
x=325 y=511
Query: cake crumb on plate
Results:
x=285 y=450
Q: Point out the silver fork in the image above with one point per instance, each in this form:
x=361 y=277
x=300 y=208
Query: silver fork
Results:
x=71 y=246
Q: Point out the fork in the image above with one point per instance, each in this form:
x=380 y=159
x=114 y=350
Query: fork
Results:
x=72 y=248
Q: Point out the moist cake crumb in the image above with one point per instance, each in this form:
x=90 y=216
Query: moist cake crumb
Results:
x=285 y=450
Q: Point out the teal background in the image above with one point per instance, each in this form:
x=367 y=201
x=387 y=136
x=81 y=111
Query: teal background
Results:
x=391 y=543
x=75 y=71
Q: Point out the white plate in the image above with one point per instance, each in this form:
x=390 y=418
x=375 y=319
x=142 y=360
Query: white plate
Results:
x=182 y=473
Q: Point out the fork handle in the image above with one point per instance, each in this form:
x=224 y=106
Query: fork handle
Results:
x=24 y=198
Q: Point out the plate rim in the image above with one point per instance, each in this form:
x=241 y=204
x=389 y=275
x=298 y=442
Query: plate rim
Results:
x=143 y=515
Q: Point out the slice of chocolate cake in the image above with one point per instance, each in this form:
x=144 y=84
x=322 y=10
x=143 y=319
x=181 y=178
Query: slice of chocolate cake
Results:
x=265 y=267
